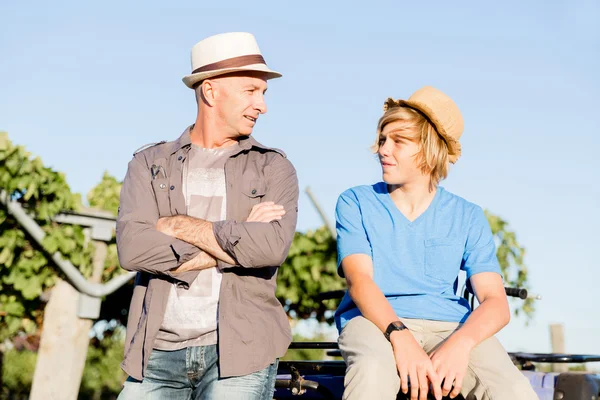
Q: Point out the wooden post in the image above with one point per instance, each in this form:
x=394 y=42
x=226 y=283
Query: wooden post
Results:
x=100 y=252
x=557 y=336
x=65 y=340
x=63 y=347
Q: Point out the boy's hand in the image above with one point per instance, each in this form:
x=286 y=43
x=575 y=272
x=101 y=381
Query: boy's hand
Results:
x=450 y=361
x=412 y=362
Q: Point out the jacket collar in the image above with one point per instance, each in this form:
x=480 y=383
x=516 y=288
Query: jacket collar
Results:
x=245 y=143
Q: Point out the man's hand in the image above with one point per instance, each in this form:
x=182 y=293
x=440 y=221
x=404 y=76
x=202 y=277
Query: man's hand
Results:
x=412 y=362
x=201 y=261
x=266 y=212
x=450 y=361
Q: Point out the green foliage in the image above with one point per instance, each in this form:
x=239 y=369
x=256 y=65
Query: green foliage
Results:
x=102 y=375
x=25 y=271
x=510 y=256
x=547 y=367
x=309 y=270
x=105 y=195
x=17 y=374
x=111 y=264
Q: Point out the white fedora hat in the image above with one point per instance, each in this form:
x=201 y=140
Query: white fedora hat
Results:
x=225 y=53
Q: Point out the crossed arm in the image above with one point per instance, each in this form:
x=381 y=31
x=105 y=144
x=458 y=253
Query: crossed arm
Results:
x=262 y=240
x=200 y=233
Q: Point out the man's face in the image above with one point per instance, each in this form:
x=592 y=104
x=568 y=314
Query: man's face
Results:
x=239 y=100
x=398 y=156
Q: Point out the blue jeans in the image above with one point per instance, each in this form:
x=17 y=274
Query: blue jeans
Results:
x=193 y=373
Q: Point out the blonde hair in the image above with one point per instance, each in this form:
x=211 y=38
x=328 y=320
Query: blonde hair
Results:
x=432 y=157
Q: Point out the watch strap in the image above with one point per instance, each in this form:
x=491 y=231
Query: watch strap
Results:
x=392 y=327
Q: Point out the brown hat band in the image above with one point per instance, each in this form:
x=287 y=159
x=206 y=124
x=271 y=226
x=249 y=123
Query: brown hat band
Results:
x=234 y=62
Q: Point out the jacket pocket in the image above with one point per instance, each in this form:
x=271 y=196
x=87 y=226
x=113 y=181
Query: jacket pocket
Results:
x=254 y=188
x=253 y=191
x=161 y=192
x=443 y=257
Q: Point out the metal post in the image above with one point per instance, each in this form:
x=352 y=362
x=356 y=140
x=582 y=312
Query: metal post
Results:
x=72 y=273
x=328 y=224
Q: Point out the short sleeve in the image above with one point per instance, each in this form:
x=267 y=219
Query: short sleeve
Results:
x=480 y=249
x=351 y=235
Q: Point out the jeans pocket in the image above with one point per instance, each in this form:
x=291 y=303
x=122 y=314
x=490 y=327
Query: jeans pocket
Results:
x=166 y=365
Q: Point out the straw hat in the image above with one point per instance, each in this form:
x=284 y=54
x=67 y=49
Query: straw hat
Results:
x=225 y=53
x=441 y=111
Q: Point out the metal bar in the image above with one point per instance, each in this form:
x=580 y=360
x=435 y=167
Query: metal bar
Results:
x=328 y=224
x=102 y=227
x=335 y=368
x=72 y=273
x=332 y=294
x=556 y=358
x=313 y=345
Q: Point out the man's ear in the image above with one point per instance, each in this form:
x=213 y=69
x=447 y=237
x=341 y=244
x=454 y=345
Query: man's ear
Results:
x=208 y=92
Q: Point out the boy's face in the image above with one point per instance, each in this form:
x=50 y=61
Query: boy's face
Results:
x=398 y=156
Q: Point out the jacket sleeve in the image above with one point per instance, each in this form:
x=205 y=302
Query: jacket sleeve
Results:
x=258 y=244
x=140 y=246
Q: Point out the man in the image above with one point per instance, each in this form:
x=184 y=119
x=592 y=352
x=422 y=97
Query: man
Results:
x=401 y=245
x=206 y=220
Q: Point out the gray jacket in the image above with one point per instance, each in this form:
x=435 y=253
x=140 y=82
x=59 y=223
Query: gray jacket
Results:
x=253 y=329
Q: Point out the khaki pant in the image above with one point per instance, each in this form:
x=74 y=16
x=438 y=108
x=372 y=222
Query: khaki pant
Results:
x=371 y=368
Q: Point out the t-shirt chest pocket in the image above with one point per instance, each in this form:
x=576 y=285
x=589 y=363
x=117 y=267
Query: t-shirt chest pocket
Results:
x=443 y=257
x=161 y=191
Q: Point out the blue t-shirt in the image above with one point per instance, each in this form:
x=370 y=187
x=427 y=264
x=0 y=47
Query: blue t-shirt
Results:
x=415 y=264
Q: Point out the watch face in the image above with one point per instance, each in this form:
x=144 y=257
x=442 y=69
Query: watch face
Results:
x=398 y=325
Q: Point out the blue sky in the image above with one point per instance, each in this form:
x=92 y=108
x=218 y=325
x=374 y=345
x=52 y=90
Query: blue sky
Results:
x=83 y=85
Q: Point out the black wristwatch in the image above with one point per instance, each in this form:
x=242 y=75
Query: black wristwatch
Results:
x=394 y=326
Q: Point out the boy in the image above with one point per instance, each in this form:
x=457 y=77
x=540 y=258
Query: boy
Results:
x=401 y=245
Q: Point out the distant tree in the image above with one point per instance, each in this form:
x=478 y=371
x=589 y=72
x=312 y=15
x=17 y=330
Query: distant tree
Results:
x=105 y=195
x=511 y=258
x=27 y=273
x=310 y=269
x=25 y=269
